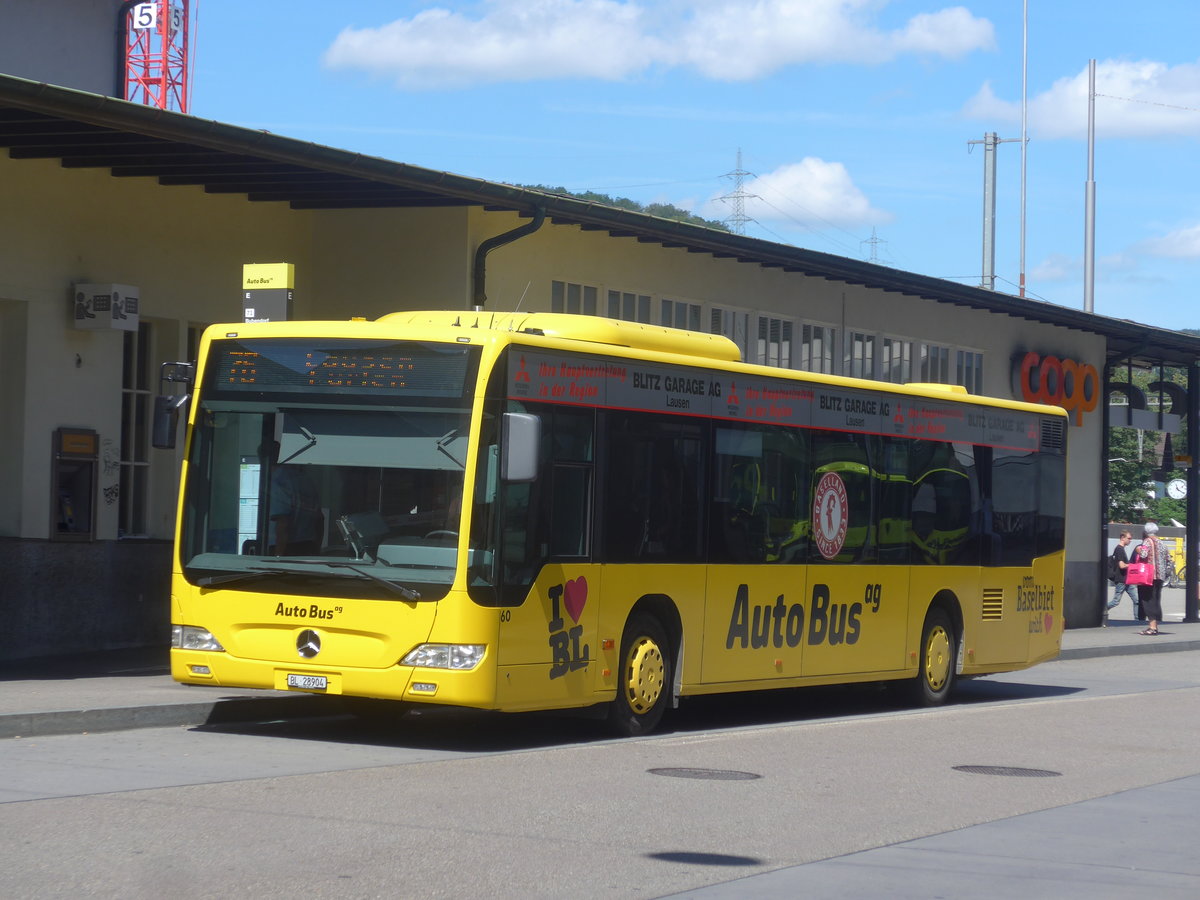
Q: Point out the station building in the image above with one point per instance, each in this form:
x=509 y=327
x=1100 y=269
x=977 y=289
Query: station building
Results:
x=126 y=230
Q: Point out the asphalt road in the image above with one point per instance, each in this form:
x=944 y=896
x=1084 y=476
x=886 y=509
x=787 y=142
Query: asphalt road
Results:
x=832 y=793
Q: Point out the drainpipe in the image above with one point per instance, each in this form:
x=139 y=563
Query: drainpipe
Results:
x=478 y=293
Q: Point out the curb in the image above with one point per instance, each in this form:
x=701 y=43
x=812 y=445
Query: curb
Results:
x=1128 y=649
x=216 y=712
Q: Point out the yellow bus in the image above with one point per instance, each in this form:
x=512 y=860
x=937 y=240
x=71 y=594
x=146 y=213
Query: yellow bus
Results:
x=545 y=511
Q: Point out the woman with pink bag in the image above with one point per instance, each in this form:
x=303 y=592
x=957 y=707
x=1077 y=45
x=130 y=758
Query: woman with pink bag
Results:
x=1155 y=561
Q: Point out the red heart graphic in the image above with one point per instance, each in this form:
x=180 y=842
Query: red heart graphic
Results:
x=1049 y=622
x=575 y=597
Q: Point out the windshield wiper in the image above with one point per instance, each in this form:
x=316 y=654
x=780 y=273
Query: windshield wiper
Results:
x=262 y=571
x=309 y=436
x=252 y=572
x=446 y=439
x=403 y=590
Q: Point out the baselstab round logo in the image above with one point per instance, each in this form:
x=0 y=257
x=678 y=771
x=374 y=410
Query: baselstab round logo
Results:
x=830 y=515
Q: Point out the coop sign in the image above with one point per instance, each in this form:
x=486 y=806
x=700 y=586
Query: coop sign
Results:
x=1054 y=381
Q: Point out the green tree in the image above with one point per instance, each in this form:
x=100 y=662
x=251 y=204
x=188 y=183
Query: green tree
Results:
x=1130 y=475
x=662 y=210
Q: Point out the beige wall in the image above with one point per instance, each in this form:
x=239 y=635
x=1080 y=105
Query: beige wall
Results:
x=184 y=249
x=372 y=262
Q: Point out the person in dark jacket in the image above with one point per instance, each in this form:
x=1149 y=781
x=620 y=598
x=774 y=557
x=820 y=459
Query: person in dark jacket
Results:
x=1120 y=560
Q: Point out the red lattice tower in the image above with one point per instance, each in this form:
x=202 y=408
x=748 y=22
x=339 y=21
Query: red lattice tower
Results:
x=156 y=53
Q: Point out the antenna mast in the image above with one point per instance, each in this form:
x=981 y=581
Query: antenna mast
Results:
x=156 y=53
x=737 y=198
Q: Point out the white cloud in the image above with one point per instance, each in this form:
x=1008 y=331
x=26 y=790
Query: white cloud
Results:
x=514 y=41
x=1183 y=243
x=1057 y=267
x=727 y=40
x=1133 y=99
x=812 y=193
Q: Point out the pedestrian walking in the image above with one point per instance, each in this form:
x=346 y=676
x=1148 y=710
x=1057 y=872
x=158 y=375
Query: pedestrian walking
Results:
x=1117 y=563
x=1154 y=552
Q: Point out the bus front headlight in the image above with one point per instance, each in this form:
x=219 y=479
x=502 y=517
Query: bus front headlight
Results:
x=190 y=637
x=445 y=656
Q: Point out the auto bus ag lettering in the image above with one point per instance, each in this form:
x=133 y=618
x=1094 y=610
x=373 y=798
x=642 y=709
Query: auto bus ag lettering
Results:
x=1038 y=601
x=566 y=653
x=306 y=612
x=753 y=627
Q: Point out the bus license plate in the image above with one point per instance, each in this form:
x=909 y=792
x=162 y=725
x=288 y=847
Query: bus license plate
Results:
x=308 y=682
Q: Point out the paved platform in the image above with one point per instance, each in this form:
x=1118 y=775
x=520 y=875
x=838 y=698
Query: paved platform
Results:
x=133 y=688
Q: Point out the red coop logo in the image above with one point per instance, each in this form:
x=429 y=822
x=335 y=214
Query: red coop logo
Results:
x=1052 y=381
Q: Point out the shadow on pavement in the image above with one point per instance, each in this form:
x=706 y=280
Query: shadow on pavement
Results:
x=391 y=724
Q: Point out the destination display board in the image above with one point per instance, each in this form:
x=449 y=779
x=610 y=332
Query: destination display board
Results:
x=534 y=374
x=390 y=369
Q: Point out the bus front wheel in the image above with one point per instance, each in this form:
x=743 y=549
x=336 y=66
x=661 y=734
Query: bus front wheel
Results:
x=644 y=678
x=938 y=655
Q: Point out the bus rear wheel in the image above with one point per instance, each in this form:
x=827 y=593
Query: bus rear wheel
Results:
x=938 y=656
x=644 y=678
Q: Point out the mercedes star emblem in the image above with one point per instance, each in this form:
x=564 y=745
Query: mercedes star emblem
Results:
x=308 y=643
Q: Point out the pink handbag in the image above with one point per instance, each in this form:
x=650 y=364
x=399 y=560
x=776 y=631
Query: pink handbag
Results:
x=1139 y=573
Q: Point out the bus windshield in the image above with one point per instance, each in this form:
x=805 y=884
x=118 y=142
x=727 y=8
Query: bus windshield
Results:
x=353 y=492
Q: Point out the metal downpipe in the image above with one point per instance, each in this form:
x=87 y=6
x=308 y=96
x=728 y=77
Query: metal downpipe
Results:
x=479 y=271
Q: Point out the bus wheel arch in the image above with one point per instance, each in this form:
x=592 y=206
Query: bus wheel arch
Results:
x=937 y=652
x=647 y=665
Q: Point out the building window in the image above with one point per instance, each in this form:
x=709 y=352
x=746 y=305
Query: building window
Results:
x=895 y=360
x=135 y=432
x=578 y=299
x=817 y=347
x=681 y=314
x=861 y=361
x=629 y=307
x=935 y=364
x=969 y=370
x=734 y=324
x=774 y=346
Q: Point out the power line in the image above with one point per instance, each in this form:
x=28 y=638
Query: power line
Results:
x=1149 y=103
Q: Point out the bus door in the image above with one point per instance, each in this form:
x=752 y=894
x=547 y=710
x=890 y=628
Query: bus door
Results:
x=549 y=583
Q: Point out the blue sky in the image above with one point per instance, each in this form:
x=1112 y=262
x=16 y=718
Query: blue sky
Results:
x=853 y=117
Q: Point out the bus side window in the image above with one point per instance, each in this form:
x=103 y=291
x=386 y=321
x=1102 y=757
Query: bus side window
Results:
x=549 y=517
x=945 y=506
x=652 y=489
x=843 y=456
x=760 y=503
x=1014 y=505
x=895 y=500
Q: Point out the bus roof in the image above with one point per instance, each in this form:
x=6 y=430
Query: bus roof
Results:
x=590 y=329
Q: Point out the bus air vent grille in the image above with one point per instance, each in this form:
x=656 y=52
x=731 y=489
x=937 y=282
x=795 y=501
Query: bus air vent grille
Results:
x=993 y=603
x=1054 y=436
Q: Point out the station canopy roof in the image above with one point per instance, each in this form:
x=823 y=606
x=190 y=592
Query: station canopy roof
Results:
x=41 y=121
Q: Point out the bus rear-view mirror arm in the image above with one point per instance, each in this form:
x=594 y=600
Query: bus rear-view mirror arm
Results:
x=167 y=406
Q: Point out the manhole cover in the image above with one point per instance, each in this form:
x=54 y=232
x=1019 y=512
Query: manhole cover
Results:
x=1012 y=771
x=710 y=774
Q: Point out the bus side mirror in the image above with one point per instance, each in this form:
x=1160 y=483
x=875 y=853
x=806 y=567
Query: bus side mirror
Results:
x=167 y=406
x=166 y=420
x=521 y=437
